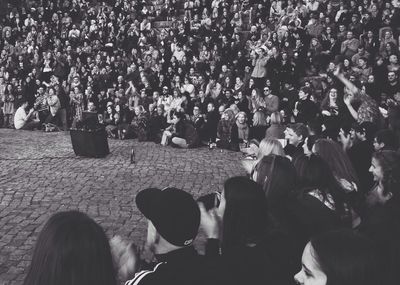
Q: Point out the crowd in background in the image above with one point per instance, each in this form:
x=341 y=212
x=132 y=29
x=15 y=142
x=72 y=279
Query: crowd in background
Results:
x=308 y=90
x=137 y=63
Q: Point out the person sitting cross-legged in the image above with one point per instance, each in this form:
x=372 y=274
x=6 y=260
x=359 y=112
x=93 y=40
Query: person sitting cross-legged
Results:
x=23 y=120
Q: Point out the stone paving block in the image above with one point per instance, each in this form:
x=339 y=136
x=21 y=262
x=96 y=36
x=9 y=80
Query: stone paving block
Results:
x=40 y=175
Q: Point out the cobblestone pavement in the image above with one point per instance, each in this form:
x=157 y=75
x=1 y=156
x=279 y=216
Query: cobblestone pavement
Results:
x=40 y=175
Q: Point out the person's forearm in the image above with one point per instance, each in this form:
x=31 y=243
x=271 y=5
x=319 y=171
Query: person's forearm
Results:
x=353 y=89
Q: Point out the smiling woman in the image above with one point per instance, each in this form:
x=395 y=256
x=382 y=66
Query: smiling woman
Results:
x=338 y=258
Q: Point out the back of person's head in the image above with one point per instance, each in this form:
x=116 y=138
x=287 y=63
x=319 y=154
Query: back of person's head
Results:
x=277 y=176
x=259 y=119
x=307 y=91
x=368 y=129
x=313 y=172
x=300 y=129
x=71 y=249
x=314 y=127
x=180 y=115
x=344 y=257
x=245 y=215
x=174 y=214
x=339 y=163
x=270 y=146
x=388 y=139
x=276 y=118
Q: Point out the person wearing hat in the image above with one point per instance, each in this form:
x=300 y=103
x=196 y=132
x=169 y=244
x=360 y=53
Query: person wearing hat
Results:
x=173 y=223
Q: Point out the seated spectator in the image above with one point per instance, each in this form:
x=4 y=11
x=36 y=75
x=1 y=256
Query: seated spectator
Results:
x=242 y=103
x=338 y=162
x=157 y=124
x=124 y=122
x=320 y=204
x=381 y=221
x=360 y=153
x=339 y=257
x=71 y=248
x=257 y=152
x=295 y=134
x=54 y=105
x=24 y=121
x=386 y=140
x=110 y=120
x=173 y=223
x=276 y=130
x=211 y=123
x=243 y=234
x=181 y=133
x=271 y=101
x=259 y=126
x=139 y=124
x=240 y=131
x=332 y=109
x=368 y=109
x=305 y=109
x=224 y=129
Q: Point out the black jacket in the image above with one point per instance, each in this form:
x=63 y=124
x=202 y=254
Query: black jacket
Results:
x=180 y=267
x=270 y=261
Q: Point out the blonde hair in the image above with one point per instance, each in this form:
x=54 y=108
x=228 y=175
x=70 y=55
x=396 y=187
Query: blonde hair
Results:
x=259 y=119
x=234 y=108
x=276 y=118
x=270 y=146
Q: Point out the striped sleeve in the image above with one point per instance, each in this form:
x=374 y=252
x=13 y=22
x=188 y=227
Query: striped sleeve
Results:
x=142 y=274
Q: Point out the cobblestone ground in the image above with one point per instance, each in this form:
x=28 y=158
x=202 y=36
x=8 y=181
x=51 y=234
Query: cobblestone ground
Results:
x=40 y=175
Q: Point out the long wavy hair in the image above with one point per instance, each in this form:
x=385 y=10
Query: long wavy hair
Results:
x=338 y=161
x=245 y=216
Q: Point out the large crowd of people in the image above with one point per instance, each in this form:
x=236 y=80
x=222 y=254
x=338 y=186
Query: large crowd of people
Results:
x=308 y=90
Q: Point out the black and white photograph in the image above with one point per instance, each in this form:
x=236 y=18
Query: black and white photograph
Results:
x=199 y=142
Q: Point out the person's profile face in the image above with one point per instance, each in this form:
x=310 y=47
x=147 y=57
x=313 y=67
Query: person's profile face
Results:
x=376 y=170
x=292 y=137
x=311 y=272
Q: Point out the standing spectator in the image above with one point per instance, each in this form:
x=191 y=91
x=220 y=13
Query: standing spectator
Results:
x=8 y=107
x=259 y=62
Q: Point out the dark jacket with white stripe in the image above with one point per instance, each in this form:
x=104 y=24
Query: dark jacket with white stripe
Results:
x=180 y=267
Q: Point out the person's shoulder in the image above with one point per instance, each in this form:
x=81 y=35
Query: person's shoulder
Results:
x=153 y=276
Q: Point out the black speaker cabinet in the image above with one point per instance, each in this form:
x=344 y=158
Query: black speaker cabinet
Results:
x=90 y=143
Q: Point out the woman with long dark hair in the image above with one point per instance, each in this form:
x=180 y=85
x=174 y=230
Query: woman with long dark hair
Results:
x=381 y=220
x=339 y=258
x=71 y=249
x=250 y=252
x=320 y=204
